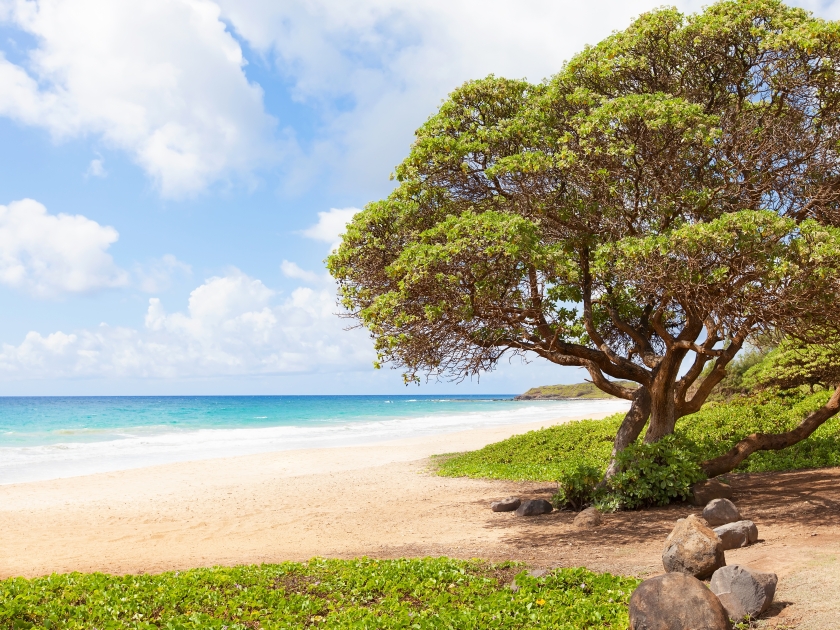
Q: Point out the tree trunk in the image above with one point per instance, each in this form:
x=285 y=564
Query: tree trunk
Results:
x=771 y=442
x=630 y=428
x=663 y=412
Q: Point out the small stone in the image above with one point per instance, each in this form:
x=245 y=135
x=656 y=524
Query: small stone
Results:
x=720 y=512
x=704 y=491
x=744 y=592
x=693 y=548
x=506 y=505
x=534 y=507
x=737 y=534
x=590 y=517
x=676 y=601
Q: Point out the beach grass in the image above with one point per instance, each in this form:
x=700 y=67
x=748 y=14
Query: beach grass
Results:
x=545 y=454
x=362 y=593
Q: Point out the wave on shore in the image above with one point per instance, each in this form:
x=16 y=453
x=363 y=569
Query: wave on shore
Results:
x=81 y=450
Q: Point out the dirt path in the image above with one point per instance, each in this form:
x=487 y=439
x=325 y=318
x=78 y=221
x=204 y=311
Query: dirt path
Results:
x=360 y=501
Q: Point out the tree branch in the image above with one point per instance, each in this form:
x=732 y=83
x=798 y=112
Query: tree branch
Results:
x=771 y=442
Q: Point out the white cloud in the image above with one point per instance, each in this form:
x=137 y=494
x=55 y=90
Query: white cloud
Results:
x=292 y=270
x=330 y=226
x=47 y=255
x=378 y=68
x=160 y=79
x=234 y=325
x=96 y=168
x=157 y=275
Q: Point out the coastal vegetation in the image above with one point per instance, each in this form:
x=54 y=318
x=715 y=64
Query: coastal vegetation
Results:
x=362 y=593
x=576 y=454
x=670 y=195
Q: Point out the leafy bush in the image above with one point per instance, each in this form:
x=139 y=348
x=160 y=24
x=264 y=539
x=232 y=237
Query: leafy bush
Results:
x=653 y=474
x=576 y=485
x=552 y=454
x=365 y=593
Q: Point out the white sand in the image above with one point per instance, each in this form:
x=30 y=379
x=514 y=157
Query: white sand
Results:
x=289 y=505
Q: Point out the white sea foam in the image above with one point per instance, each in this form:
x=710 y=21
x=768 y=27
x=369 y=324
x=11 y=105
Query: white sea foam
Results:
x=69 y=459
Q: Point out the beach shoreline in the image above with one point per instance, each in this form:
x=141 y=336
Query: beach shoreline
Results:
x=268 y=507
x=43 y=441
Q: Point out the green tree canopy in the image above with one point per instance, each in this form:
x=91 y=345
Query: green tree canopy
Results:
x=794 y=364
x=672 y=191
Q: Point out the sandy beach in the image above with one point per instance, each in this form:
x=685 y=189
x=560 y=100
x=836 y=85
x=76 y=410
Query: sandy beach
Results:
x=290 y=505
x=381 y=500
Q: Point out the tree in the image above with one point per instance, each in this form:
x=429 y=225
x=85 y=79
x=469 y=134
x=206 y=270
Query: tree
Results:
x=671 y=192
x=794 y=364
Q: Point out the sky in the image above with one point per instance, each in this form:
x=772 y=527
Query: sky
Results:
x=174 y=172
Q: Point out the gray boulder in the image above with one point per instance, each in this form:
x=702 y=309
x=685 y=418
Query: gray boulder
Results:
x=720 y=512
x=534 y=507
x=737 y=534
x=744 y=592
x=676 y=601
x=693 y=548
x=506 y=505
x=704 y=491
x=590 y=517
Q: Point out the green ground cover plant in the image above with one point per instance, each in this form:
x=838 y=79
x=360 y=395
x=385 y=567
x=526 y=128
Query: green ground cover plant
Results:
x=657 y=473
x=362 y=593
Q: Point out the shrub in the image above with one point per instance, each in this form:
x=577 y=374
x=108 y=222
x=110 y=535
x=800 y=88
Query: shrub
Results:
x=576 y=485
x=653 y=474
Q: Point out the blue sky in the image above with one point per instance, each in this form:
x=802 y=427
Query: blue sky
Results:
x=175 y=171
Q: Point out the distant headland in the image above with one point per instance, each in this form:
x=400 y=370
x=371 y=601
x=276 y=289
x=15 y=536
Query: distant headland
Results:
x=578 y=391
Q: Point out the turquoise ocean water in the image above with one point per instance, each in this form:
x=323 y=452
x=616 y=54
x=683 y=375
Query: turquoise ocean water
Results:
x=51 y=437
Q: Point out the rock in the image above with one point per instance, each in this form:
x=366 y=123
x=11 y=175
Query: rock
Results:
x=743 y=591
x=720 y=512
x=534 y=507
x=704 y=491
x=737 y=534
x=693 y=548
x=676 y=601
x=506 y=505
x=590 y=517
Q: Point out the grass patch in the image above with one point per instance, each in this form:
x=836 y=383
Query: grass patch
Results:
x=545 y=455
x=363 y=593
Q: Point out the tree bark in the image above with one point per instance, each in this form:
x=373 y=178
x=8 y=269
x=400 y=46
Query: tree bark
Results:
x=663 y=413
x=631 y=427
x=771 y=442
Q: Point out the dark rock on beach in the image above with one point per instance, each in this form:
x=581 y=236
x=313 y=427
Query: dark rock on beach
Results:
x=744 y=592
x=506 y=505
x=737 y=534
x=704 y=491
x=693 y=548
x=587 y=519
x=676 y=601
x=720 y=512
x=534 y=507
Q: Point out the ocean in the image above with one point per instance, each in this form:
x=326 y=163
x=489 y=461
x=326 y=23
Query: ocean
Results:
x=52 y=437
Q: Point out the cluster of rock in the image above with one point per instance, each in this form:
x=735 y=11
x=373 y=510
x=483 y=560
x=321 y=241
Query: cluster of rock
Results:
x=694 y=551
x=590 y=517
x=531 y=507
